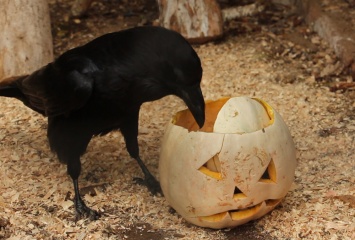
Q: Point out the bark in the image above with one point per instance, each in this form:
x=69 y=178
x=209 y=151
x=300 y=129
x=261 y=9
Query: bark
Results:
x=198 y=21
x=244 y=11
x=336 y=31
x=26 y=41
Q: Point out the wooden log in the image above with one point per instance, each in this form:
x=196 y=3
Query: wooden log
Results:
x=198 y=21
x=26 y=39
x=244 y=11
x=334 y=29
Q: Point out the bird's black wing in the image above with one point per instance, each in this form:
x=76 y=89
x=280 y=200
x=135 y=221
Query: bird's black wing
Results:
x=60 y=87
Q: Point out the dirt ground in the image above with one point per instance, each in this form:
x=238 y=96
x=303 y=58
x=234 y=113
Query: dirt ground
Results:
x=273 y=56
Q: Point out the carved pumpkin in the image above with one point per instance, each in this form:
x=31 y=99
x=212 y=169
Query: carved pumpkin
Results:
x=237 y=168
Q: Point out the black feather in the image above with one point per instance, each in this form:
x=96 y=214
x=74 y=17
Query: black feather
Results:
x=99 y=87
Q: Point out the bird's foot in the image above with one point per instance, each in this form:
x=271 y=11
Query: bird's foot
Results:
x=82 y=211
x=151 y=183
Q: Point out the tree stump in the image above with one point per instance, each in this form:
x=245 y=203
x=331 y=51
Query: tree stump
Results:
x=26 y=39
x=198 y=21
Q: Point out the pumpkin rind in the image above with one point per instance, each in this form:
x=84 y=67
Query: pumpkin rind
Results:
x=220 y=180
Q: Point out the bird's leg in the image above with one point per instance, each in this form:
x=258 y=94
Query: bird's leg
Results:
x=149 y=180
x=74 y=169
x=80 y=207
x=129 y=130
x=66 y=139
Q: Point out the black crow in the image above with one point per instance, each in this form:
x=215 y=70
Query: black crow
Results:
x=99 y=87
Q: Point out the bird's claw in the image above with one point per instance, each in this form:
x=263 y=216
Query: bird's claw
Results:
x=82 y=211
x=151 y=183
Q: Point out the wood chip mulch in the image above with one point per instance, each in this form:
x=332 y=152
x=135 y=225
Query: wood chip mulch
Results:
x=261 y=60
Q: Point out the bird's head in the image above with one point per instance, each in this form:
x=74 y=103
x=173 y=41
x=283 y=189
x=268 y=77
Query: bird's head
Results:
x=185 y=79
x=189 y=90
x=165 y=63
x=180 y=79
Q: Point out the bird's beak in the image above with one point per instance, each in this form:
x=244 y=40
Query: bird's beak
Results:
x=194 y=100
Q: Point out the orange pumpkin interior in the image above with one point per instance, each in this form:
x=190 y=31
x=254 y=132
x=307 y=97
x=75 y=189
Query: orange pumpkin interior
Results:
x=240 y=214
x=185 y=119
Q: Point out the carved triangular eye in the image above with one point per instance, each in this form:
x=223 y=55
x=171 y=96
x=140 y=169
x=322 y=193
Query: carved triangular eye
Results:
x=212 y=168
x=265 y=175
x=269 y=176
x=238 y=194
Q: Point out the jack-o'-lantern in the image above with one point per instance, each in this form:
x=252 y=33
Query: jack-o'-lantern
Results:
x=237 y=168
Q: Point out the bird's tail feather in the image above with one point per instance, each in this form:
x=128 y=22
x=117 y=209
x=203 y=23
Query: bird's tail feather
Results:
x=9 y=88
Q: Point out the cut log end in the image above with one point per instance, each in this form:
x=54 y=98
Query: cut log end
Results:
x=199 y=21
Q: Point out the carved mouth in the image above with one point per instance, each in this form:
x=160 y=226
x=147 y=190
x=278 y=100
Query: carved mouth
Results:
x=237 y=215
